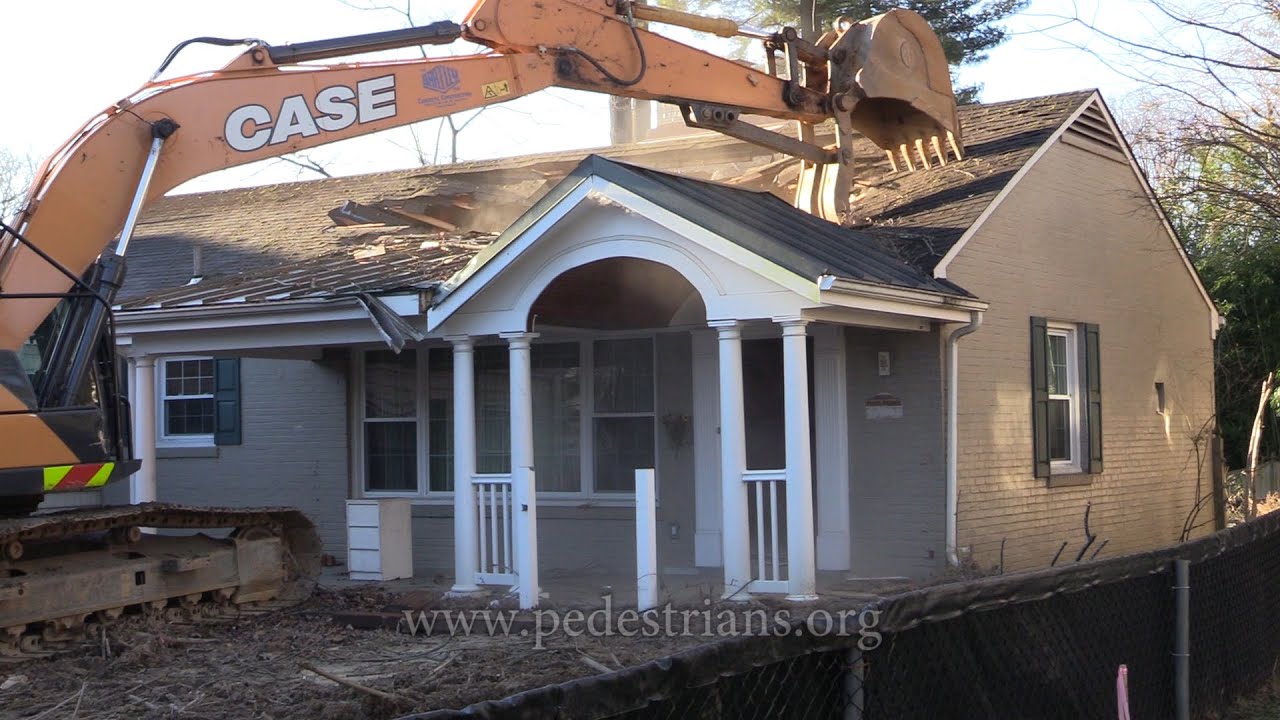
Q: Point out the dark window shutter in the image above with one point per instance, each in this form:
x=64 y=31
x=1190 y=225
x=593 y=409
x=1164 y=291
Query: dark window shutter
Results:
x=1040 y=395
x=1093 y=392
x=226 y=400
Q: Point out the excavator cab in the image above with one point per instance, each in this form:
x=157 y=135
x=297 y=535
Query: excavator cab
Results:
x=68 y=374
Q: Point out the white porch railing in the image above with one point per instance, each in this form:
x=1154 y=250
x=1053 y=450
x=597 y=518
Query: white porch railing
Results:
x=766 y=490
x=494 y=503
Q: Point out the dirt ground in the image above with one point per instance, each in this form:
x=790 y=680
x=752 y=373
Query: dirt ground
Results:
x=274 y=665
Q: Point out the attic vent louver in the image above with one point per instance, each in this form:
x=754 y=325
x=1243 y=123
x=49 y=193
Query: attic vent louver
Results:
x=1091 y=131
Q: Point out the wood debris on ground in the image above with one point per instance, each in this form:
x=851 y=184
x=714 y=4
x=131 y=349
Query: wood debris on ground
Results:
x=297 y=663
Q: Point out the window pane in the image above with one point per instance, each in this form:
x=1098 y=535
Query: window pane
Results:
x=623 y=377
x=389 y=384
x=622 y=444
x=440 y=419
x=188 y=377
x=188 y=417
x=557 y=412
x=764 y=404
x=1059 y=429
x=1058 y=377
x=391 y=456
x=493 y=410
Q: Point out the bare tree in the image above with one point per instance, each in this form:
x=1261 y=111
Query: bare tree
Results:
x=1210 y=77
x=1206 y=127
x=306 y=163
x=452 y=122
x=16 y=173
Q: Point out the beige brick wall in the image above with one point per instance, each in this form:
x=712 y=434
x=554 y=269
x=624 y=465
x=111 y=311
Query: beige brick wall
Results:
x=1077 y=241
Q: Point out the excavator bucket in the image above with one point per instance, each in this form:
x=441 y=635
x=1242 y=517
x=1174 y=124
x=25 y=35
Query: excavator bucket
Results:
x=888 y=79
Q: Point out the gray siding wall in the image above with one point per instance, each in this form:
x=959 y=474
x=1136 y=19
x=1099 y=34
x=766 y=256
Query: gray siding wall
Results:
x=589 y=538
x=294 y=415
x=897 y=467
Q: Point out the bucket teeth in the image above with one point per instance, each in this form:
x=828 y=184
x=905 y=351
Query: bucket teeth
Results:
x=923 y=152
x=924 y=157
x=906 y=157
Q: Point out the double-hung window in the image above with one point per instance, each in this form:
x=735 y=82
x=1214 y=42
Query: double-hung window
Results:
x=198 y=401
x=1066 y=398
x=390 y=422
x=623 y=394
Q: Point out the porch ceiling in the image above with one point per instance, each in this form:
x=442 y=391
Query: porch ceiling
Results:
x=615 y=294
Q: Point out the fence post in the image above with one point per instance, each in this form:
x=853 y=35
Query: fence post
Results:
x=1218 y=473
x=1182 y=639
x=526 y=526
x=853 y=680
x=646 y=540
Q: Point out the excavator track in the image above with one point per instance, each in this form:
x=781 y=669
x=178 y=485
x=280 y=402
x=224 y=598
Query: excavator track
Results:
x=64 y=572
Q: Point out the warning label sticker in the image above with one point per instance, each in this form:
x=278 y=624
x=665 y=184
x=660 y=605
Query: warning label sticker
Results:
x=497 y=89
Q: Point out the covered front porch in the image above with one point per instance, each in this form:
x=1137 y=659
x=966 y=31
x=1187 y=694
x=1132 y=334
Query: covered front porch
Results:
x=642 y=340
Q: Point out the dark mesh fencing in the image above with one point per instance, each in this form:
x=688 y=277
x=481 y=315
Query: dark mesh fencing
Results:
x=1235 y=622
x=1037 y=645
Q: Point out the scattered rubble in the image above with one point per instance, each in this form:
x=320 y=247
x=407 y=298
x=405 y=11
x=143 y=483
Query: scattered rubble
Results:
x=298 y=663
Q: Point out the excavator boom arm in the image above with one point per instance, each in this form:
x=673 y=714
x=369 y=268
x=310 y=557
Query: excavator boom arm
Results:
x=263 y=105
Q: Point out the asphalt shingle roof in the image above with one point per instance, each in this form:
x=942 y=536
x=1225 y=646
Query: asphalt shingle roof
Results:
x=243 y=230
x=902 y=222
x=387 y=262
x=771 y=228
x=920 y=215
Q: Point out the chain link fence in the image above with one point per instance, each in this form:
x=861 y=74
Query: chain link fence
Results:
x=1037 y=645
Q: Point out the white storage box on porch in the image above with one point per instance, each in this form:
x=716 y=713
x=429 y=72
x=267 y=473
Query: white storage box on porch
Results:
x=379 y=539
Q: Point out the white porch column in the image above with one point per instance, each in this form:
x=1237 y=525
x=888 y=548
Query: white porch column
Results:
x=142 y=485
x=465 y=551
x=801 y=575
x=736 y=540
x=525 y=496
x=706 y=452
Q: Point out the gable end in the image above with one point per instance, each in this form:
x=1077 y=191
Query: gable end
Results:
x=1090 y=131
x=1090 y=125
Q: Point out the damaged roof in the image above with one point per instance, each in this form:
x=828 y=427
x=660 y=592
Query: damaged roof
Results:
x=387 y=262
x=902 y=223
x=234 y=231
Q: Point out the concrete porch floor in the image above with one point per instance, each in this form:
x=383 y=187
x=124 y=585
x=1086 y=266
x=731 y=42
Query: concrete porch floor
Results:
x=576 y=589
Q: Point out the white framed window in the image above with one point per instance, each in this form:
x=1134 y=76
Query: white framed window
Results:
x=389 y=423
x=595 y=418
x=624 y=401
x=187 y=408
x=1064 y=426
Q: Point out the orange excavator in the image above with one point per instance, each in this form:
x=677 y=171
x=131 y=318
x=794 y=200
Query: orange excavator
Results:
x=64 y=424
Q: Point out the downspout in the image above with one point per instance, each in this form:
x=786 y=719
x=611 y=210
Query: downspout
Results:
x=953 y=396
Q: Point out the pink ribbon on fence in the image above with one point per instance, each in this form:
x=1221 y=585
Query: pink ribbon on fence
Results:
x=1122 y=692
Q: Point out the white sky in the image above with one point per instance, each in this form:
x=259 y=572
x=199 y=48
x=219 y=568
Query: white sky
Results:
x=65 y=61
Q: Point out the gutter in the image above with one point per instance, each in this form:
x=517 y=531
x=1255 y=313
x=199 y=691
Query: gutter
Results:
x=923 y=298
x=953 y=395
